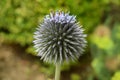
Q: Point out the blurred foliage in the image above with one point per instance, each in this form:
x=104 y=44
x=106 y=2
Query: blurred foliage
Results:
x=75 y=77
x=19 y=19
x=116 y=76
x=100 y=18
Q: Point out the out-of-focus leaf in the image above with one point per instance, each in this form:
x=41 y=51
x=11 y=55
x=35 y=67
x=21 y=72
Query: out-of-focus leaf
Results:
x=116 y=76
x=103 y=43
x=75 y=77
x=101 y=38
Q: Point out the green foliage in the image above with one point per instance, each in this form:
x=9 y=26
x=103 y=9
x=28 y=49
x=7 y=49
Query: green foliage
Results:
x=105 y=51
x=105 y=46
x=116 y=76
x=101 y=71
x=75 y=77
x=47 y=69
x=19 y=19
x=100 y=42
x=116 y=38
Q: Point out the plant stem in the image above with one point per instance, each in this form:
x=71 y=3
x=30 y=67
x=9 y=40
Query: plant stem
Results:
x=57 y=71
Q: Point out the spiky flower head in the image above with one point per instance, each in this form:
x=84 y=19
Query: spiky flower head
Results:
x=59 y=38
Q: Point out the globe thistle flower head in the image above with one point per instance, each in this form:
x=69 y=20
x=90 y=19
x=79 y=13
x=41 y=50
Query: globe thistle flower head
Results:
x=60 y=17
x=59 y=38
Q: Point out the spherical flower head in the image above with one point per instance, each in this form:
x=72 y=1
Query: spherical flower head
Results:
x=59 y=38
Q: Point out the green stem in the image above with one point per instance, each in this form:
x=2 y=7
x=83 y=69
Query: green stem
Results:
x=57 y=71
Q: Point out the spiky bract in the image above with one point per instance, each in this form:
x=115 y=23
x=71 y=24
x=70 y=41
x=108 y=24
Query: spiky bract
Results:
x=59 y=38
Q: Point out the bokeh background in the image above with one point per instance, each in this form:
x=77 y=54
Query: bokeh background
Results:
x=100 y=19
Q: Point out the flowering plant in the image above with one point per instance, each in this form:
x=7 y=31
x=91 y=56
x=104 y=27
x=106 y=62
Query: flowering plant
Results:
x=59 y=38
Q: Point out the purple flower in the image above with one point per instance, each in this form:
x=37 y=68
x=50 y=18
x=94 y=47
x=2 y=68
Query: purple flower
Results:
x=59 y=38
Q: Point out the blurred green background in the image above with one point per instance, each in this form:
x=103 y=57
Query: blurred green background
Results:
x=100 y=18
